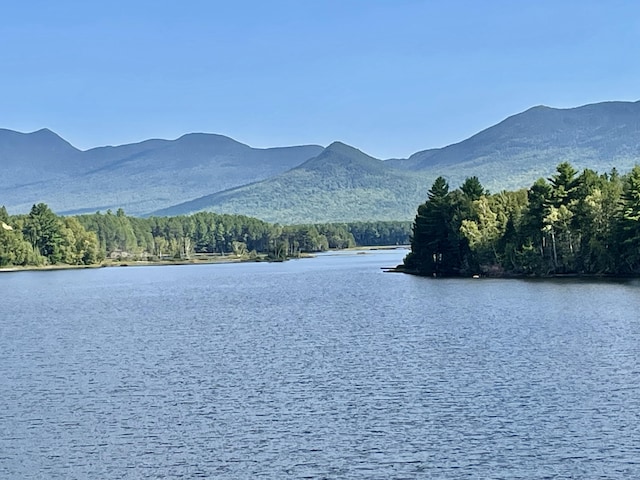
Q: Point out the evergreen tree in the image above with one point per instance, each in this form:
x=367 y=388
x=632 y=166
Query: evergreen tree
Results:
x=629 y=236
x=44 y=230
x=434 y=249
x=472 y=188
x=564 y=184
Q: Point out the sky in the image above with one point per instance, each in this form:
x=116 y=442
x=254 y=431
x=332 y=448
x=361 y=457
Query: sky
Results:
x=389 y=77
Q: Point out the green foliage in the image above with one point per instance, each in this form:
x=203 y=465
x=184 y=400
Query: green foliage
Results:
x=80 y=246
x=43 y=238
x=380 y=233
x=44 y=230
x=435 y=243
x=629 y=227
x=340 y=185
x=472 y=188
x=224 y=234
x=14 y=248
x=568 y=224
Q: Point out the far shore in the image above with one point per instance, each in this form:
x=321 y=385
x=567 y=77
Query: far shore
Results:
x=196 y=260
x=132 y=263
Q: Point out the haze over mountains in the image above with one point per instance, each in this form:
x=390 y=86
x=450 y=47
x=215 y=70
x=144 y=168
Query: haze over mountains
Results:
x=139 y=177
x=307 y=183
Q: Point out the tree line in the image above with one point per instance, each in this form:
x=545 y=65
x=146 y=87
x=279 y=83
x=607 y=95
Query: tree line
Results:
x=570 y=223
x=43 y=238
x=212 y=233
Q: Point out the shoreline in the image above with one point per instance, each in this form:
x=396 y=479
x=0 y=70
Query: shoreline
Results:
x=211 y=260
x=147 y=263
x=34 y=268
x=518 y=276
x=141 y=263
x=124 y=263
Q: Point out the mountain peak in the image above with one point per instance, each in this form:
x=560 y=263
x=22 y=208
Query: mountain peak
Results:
x=45 y=131
x=340 y=156
x=343 y=149
x=338 y=144
x=43 y=138
x=211 y=140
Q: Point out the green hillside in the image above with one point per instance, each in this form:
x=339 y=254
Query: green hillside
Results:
x=342 y=184
x=529 y=145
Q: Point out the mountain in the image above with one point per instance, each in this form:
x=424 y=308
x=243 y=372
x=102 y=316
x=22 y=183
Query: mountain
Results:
x=138 y=177
x=529 y=145
x=307 y=183
x=40 y=155
x=340 y=184
x=343 y=184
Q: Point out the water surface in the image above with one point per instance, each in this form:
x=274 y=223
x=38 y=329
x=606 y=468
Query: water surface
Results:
x=316 y=368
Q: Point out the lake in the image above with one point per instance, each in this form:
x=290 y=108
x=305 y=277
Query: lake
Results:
x=316 y=368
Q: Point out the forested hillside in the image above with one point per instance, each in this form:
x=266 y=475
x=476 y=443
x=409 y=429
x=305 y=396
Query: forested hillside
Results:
x=570 y=223
x=342 y=184
x=523 y=147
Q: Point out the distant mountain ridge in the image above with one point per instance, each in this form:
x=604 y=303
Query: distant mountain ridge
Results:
x=603 y=127
x=44 y=152
x=307 y=183
x=138 y=177
x=598 y=136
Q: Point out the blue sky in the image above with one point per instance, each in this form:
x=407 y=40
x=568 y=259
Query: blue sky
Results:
x=388 y=77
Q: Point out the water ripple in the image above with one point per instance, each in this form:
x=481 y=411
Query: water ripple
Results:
x=323 y=368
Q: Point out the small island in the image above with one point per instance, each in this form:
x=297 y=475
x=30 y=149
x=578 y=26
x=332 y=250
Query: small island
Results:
x=567 y=225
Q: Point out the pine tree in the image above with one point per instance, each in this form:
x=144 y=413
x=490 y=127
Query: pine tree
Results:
x=433 y=243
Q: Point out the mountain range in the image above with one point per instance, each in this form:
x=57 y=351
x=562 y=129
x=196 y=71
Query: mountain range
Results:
x=306 y=183
x=139 y=178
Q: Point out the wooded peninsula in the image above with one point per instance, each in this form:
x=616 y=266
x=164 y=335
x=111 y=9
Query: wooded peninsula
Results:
x=570 y=223
x=42 y=238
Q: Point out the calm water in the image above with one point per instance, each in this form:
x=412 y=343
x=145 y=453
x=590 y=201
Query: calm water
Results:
x=317 y=368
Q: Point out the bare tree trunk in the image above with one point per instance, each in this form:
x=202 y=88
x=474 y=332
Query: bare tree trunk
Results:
x=555 y=253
